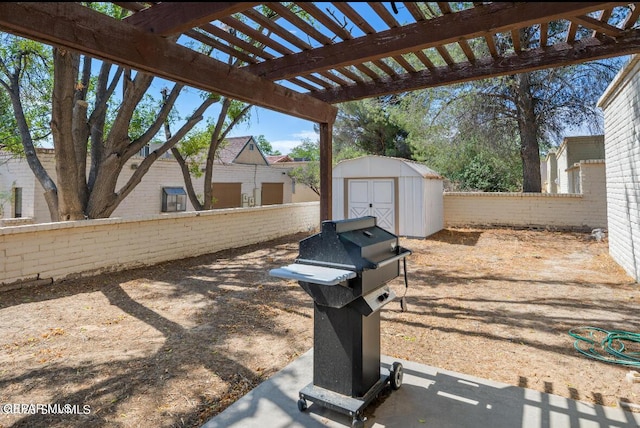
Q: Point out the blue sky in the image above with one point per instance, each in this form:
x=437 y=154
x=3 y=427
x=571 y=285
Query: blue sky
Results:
x=284 y=132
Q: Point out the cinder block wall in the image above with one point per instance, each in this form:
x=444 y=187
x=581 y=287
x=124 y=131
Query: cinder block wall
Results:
x=59 y=250
x=587 y=210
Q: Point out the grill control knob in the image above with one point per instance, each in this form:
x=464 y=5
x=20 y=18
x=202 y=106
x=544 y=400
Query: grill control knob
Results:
x=383 y=297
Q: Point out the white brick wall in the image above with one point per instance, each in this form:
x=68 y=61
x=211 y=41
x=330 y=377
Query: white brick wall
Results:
x=621 y=106
x=58 y=250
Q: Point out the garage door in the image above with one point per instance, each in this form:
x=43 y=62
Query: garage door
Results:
x=226 y=195
x=272 y=193
x=375 y=197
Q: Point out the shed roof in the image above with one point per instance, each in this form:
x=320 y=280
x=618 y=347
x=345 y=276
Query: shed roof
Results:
x=379 y=166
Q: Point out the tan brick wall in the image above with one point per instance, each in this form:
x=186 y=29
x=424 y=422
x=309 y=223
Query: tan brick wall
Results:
x=59 y=250
x=586 y=210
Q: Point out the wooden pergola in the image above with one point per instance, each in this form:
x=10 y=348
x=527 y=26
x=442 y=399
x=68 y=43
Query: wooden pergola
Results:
x=340 y=56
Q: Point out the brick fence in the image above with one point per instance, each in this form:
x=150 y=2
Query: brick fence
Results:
x=586 y=210
x=53 y=251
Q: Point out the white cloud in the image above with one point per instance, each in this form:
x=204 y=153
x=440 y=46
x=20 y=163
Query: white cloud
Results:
x=285 y=146
x=311 y=135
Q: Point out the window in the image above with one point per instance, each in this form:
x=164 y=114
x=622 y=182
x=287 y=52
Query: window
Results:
x=144 y=152
x=17 y=202
x=251 y=146
x=173 y=199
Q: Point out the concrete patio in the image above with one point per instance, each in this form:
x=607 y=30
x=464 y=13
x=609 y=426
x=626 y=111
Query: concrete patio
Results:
x=428 y=397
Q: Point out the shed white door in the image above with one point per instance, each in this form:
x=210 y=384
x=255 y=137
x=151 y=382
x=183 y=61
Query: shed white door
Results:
x=375 y=197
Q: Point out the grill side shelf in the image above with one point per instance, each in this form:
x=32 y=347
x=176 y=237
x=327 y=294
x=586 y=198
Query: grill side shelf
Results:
x=313 y=274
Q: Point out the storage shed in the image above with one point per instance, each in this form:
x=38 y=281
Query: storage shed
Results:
x=406 y=197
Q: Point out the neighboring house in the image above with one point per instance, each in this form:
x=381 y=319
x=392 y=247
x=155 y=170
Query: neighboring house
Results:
x=241 y=178
x=561 y=167
x=621 y=106
x=300 y=192
x=240 y=150
x=279 y=159
x=230 y=193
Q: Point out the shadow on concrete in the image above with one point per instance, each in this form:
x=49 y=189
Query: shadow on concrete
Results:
x=428 y=397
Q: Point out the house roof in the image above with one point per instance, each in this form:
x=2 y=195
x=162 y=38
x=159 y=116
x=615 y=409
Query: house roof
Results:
x=232 y=148
x=279 y=159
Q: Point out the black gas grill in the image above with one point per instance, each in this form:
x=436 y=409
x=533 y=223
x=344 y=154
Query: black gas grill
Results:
x=345 y=269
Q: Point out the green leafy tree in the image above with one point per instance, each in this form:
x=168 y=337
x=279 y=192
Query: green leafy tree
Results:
x=9 y=134
x=307 y=149
x=265 y=146
x=452 y=138
x=201 y=148
x=309 y=173
x=369 y=126
x=542 y=105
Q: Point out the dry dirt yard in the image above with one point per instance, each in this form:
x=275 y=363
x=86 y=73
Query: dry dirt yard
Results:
x=175 y=344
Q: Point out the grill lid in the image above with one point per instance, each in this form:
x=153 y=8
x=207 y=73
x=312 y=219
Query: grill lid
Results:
x=352 y=244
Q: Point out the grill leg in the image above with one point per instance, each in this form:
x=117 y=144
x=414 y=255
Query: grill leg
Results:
x=346 y=350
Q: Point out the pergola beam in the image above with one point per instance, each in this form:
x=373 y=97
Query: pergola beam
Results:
x=433 y=33
x=171 y=18
x=559 y=55
x=78 y=28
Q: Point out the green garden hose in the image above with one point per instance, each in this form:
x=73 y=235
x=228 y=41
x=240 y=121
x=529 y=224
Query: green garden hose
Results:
x=608 y=346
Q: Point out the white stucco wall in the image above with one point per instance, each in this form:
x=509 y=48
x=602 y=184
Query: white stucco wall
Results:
x=621 y=106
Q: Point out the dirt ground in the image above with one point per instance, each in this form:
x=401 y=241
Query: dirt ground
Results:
x=175 y=344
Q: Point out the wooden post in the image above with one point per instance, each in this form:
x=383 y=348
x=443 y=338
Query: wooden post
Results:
x=326 y=166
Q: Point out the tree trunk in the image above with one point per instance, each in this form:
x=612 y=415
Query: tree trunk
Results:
x=186 y=175
x=117 y=149
x=70 y=203
x=41 y=174
x=529 y=149
x=216 y=139
x=104 y=197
